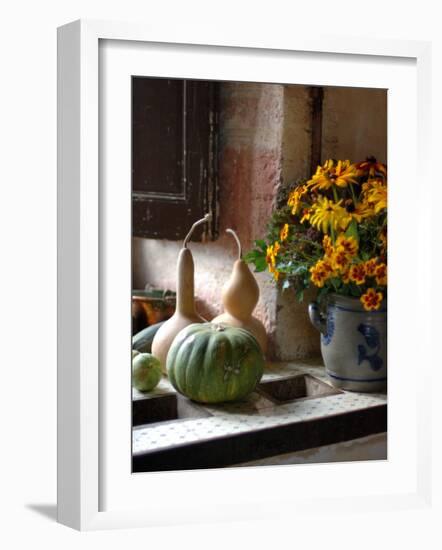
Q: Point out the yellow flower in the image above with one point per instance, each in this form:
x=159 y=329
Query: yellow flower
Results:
x=331 y=173
x=274 y=272
x=271 y=253
x=294 y=200
x=284 y=233
x=370 y=266
x=363 y=210
x=371 y=300
x=320 y=272
x=270 y=258
x=328 y=214
x=357 y=273
x=345 y=173
x=348 y=244
x=377 y=196
x=381 y=274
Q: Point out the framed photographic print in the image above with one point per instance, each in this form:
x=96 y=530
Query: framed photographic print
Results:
x=223 y=276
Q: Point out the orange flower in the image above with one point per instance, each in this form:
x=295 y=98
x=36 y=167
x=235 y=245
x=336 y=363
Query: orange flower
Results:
x=357 y=273
x=305 y=215
x=371 y=167
x=320 y=272
x=348 y=244
x=381 y=274
x=340 y=260
x=327 y=245
x=346 y=276
x=370 y=266
x=371 y=300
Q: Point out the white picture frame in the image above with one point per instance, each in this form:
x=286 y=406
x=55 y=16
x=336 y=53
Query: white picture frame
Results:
x=88 y=457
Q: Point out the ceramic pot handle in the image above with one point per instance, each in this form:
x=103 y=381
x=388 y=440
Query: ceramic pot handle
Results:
x=316 y=318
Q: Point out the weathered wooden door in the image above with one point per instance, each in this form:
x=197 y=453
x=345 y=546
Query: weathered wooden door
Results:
x=173 y=156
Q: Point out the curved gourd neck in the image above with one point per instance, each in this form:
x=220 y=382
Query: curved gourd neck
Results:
x=238 y=242
x=185 y=291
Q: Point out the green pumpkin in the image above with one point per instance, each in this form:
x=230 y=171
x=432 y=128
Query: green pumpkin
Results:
x=214 y=363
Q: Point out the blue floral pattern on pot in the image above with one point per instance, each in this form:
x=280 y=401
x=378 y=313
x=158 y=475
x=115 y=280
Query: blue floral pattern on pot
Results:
x=372 y=339
x=353 y=343
x=330 y=327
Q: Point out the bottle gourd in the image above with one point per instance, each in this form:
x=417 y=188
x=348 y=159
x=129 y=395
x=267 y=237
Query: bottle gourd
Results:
x=185 y=313
x=240 y=295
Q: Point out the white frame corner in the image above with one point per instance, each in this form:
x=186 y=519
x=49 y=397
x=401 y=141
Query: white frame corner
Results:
x=79 y=253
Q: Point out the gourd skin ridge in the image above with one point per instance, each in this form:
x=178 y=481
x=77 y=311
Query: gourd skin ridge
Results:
x=214 y=363
x=252 y=325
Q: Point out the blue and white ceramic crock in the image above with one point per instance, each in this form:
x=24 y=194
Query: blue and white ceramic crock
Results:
x=353 y=343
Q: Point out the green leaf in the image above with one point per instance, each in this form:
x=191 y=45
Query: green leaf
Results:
x=322 y=292
x=261 y=244
x=260 y=264
x=354 y=290
x=300 y=270
x=251 y=256
x=352 y=230
x=300 y=295
x=365 y=256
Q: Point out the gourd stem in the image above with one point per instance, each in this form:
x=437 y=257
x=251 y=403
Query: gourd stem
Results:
x=199 y=222
x=237 y=242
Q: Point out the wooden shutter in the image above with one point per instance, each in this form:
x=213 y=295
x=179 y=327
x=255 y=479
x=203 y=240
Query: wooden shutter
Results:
x=173 y=157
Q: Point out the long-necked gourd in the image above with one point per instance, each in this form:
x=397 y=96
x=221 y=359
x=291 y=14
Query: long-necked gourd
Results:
x=185 y=312
x=240 y=295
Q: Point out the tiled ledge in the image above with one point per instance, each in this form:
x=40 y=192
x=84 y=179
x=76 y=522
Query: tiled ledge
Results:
x=260 y=419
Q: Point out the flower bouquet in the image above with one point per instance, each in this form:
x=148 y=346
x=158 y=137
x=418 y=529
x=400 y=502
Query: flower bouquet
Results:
x=330 y=233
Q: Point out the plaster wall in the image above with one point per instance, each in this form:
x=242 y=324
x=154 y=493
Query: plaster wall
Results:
x=293 y=334
x=354 y=124
x=251 y=117
x=265 y=139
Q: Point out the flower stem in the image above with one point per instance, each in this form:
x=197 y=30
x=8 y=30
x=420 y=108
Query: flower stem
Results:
x=353 y=193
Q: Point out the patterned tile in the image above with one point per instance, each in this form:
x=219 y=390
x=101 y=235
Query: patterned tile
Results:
x=255 y=413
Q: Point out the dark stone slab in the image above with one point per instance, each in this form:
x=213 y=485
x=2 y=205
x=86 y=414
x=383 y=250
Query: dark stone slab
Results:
x=262 y=443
